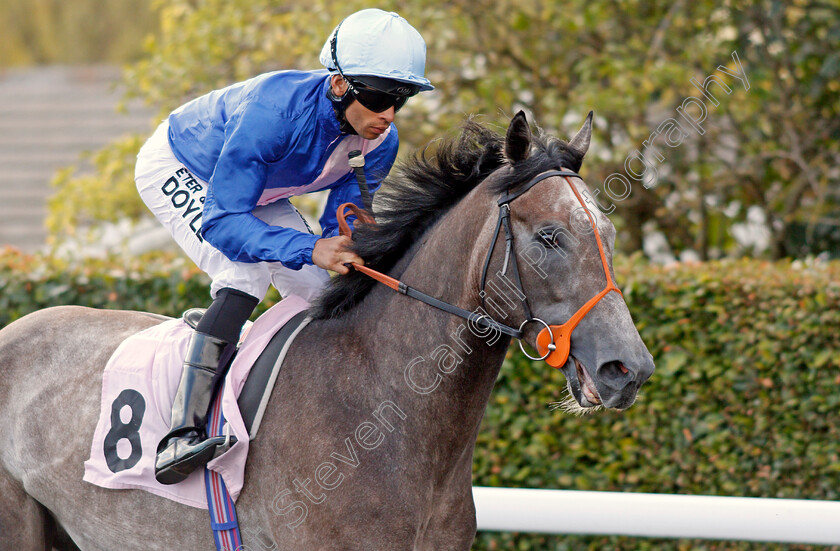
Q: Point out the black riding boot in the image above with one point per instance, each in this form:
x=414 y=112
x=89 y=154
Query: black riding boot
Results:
x=187 y=447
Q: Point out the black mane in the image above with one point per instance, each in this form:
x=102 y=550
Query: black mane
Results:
x=425 y=187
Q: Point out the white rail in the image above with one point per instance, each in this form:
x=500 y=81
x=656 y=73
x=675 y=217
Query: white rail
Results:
x=657 y=515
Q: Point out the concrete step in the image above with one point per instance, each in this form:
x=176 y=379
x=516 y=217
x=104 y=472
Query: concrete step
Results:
x=105 y=124
x=23 y=227
x=24 y=213
x=23 y=174
x=23 y=239
x=37 y=183
x=58 y=75
x=38 y=158
x=11 y=197
x=48 y=116
x=101 y=117
x=49 y=143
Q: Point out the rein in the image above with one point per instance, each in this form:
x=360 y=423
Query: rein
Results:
x=553 y=341
x=483 y=320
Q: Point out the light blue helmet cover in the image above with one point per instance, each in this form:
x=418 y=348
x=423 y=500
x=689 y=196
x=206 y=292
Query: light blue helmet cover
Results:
x=377 y=43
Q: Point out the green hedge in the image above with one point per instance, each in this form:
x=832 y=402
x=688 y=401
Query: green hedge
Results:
x=744 y=401
x=160 y=283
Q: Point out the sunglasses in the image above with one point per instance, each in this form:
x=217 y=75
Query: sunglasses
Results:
x=373 y=99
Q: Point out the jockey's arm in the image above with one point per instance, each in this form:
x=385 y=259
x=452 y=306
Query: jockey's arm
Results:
x=332 y=251
x=251 y=144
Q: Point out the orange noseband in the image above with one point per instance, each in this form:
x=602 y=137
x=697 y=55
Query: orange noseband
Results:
x=560 y=336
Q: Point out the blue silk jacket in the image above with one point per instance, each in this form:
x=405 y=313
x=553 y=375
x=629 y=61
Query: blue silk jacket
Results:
x=269 y=138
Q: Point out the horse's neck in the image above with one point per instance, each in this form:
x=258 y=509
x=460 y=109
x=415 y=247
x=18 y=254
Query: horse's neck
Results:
x=426 y=361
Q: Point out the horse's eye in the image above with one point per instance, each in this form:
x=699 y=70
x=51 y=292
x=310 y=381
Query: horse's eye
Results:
x=547 y=237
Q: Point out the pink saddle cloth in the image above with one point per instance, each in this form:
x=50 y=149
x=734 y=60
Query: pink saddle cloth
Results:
x=138 y=388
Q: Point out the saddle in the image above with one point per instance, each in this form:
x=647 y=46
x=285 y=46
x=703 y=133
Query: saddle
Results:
x=139 y=383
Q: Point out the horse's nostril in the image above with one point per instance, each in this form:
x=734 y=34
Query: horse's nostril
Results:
x=615 y=375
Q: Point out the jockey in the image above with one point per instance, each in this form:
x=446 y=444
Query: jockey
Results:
x=218 y=173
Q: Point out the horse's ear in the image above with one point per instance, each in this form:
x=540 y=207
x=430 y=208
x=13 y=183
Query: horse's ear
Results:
x=581 y=139
x=518 y=139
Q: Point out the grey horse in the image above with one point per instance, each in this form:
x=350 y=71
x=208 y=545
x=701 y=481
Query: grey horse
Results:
x=367 y=443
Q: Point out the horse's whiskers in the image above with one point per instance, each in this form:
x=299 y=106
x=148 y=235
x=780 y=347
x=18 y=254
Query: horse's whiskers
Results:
x=570 y=405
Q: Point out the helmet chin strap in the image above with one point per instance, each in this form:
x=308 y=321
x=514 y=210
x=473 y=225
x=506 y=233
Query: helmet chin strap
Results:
x=339 y=104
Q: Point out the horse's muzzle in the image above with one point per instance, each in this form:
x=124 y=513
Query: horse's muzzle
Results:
x=614 y=385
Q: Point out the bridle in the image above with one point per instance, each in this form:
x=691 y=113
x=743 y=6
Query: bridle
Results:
x=553 y=341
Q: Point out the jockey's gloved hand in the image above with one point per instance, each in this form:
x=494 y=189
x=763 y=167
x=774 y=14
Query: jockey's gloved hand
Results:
x=332 y=253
